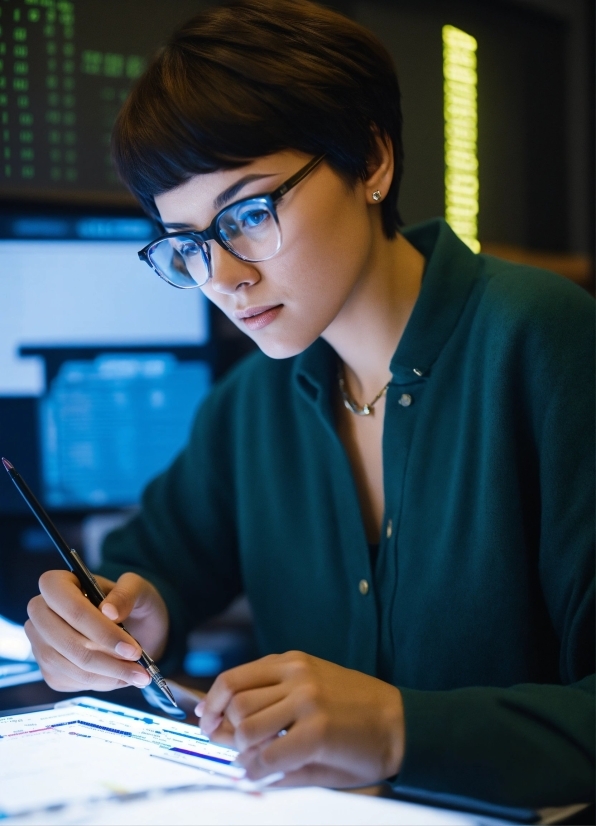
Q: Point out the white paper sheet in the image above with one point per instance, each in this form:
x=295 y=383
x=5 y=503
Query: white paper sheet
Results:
x=284 y=807
x=92 y=762
x=86 y=750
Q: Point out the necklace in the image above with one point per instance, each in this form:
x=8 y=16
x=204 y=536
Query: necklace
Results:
x=366 y=409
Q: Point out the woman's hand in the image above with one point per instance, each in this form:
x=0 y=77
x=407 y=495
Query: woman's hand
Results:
x=79 y=647
x=343 y=728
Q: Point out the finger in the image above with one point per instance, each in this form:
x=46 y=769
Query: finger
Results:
x=62 y=594
x=224 y=734
x=317 y=774
x=258 y=674
x=287 y=754
x=264 y=725
x=62 y=675
x=78 y=649
x=130 y=595
x=246 y=703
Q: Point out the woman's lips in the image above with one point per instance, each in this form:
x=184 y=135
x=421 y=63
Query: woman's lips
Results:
x=260 y=317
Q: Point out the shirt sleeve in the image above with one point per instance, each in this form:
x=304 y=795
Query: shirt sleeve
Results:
x=184 y=538
x=533 y=745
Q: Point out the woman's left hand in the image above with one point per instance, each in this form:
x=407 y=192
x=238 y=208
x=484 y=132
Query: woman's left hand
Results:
x=343 y=728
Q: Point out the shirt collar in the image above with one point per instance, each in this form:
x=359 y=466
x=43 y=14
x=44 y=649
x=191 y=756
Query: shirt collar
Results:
x=450 y=273
x=449 y=276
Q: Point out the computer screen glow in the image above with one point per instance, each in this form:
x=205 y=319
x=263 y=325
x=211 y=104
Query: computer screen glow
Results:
x=112 y=359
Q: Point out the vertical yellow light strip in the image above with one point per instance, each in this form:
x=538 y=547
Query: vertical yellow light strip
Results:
x=461 y=134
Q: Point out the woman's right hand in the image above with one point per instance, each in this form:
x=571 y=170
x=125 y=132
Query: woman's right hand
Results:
x=80 y=647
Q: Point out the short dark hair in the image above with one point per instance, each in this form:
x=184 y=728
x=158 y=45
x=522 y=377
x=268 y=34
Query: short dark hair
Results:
x=252 y=77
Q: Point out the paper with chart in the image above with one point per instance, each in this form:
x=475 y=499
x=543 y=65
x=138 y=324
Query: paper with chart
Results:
x=91 y=763
x=88 y=750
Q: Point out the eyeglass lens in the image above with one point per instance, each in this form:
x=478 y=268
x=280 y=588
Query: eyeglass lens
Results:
x=249 y=229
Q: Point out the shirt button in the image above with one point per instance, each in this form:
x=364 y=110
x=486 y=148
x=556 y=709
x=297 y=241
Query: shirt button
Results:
x=405 y=400
x=389 y=529
x=363 y=587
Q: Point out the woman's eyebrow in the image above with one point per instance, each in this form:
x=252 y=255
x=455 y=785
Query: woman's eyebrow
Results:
x=227 y=195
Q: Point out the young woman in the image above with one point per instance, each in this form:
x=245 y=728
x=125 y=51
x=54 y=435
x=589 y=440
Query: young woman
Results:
x=401 y=480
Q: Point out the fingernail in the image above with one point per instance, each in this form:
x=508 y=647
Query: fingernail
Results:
x=125 y=649
x=109 y=611
x=199 y=708
x=140 y=678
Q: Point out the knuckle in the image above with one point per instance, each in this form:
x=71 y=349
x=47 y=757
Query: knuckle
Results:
x=129 y=588
x=123 y=674
x=224 y=682
x=77 y=654
x=309 y=695
x=107 y=638
x=75 y=613
x=298 y=662
x=272 y=658
x=46 y=661
x=88 y=678
x=238 y=707
x=119 y=595
x=130 y=579
x=82 y=656
x=55 y=682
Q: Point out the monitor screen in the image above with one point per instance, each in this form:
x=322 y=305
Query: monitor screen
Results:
x=102 y=364
x=65 y=68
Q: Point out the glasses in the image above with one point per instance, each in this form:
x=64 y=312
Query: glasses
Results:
x=249 y=229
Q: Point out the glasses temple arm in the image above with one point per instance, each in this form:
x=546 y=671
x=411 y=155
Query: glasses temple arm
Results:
x=295 y=179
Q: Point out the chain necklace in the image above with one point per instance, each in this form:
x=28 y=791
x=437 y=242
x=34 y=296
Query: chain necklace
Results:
x=349 y=402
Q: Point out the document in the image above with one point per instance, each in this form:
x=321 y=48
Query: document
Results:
x=87 y=761
x=86 y=750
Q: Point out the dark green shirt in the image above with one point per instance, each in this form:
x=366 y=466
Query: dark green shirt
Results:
x=480 y=604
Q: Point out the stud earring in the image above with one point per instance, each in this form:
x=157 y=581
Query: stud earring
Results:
x=376 y=195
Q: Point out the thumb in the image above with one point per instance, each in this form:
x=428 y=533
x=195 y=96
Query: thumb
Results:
x=125 y=595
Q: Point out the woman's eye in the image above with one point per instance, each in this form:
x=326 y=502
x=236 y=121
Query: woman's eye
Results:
x=187 y=248
x=254 y=218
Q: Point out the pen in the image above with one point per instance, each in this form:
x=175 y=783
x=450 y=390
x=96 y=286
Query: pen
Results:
x=75 y=564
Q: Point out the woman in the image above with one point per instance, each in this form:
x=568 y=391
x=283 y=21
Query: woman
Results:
x=400 y=481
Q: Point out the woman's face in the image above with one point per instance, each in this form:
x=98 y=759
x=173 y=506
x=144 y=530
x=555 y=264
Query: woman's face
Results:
x=287 y=302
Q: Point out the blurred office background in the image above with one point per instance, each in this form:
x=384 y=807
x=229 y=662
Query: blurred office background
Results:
x=101 y=365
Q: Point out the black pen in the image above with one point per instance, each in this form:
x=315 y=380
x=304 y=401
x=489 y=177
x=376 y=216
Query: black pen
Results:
x=74 y=562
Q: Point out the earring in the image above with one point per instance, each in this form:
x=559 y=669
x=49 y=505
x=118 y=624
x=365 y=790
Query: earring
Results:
x=376 y=195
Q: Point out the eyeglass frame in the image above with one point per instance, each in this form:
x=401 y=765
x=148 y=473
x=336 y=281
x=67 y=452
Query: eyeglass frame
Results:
x=212 y=232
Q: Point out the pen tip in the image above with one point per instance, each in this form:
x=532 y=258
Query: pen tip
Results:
x=170 y=696
x=7 y=464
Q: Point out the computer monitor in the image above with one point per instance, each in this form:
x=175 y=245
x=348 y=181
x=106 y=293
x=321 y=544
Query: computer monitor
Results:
x=102 y=364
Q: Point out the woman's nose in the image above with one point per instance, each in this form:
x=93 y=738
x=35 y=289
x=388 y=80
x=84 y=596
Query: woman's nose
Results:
x=229 y=273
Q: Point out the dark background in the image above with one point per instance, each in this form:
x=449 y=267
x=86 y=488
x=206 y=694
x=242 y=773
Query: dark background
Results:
x=535 y=93
x=535 y=145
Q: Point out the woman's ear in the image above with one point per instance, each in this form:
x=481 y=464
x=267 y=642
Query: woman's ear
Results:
x=380 y=169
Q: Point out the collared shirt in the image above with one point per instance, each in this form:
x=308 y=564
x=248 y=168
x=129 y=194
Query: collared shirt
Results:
x=480 y=604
